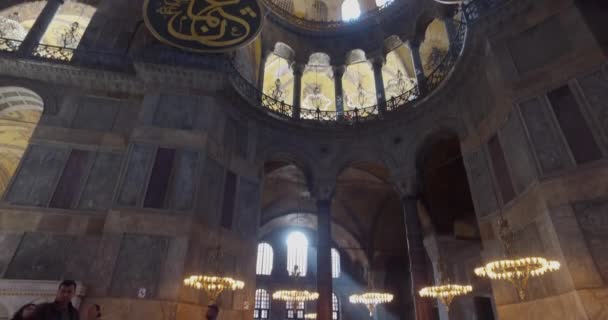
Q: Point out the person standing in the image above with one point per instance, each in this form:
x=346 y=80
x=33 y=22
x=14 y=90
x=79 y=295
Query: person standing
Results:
x=212 y=312
x=61 y=308
x=25 y=312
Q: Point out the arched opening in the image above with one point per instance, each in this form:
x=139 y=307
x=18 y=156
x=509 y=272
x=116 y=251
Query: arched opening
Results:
x=20 y=112
x=278 y=78
x=318 y=86
x=16 y=21
x=366 y=201
x=318 y=11
x=445 y=191
x=435 y=46
x=358 y=82
x=398 y=78
x=351 y=10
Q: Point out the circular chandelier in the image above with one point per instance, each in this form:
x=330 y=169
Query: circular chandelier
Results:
x=371 y=300
x=517 y=270
x=310 y=316
x=446 y=293
x=213 y=285
x=295 y=295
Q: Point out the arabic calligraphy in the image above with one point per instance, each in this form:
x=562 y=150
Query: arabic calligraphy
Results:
x=204 y=25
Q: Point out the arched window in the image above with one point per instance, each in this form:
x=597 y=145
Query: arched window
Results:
x=335 y=263
x=350 y=10
x=16 y=21
x=382 y=3
x=335 y=307
x=434 y=47
x=297 y=252
x=20 y=111
x=264 y=260
x=262 y=304
x=295 y=310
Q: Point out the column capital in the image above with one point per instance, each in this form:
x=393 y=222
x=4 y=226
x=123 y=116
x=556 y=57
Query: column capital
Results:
x=323 y=189
x=339 y=70
x=298 y=69
x=406 y=186
x=377 y=61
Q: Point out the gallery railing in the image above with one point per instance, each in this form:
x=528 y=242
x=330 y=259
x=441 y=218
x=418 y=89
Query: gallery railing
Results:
x=357 y=115
x=317 y=25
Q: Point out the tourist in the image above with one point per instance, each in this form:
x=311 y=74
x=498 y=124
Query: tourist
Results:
x=212 y=312
x=61 y=308
x=25 y=312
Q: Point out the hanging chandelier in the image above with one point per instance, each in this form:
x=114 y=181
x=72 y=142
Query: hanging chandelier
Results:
x=517 y=270
x=214 y=285
x=371 y=300
x=445 y=293
x=295 y=296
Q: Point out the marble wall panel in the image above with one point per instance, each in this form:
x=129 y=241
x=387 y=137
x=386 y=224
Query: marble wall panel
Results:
x=36 y=179
x=541 y=37
x=135 y=177
x=593 y=220
x=248 y=208
x=480 y=181
x=181 y=190
x=99 y=188
x=138 y=267
x=43 y=256
x=96 y=114
x=517 y=153
x=595 y=90
x=9 y=242
x=176 y=112
x=549 y=147
x=210 y=193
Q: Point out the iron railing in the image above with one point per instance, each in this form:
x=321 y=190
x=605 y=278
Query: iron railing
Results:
x=9 y=45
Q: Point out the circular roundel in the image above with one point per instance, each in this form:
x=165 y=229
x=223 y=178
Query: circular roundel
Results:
x=204 y=25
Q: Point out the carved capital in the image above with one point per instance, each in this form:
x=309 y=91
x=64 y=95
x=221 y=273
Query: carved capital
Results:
x=323 y=189
x=406 y=186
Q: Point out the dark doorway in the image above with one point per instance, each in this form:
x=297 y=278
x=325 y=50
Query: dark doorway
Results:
x=483 y=308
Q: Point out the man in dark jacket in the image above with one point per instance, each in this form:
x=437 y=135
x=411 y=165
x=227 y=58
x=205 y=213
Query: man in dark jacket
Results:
x=61 y=308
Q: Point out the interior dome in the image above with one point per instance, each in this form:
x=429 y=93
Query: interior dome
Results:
x=328 y=10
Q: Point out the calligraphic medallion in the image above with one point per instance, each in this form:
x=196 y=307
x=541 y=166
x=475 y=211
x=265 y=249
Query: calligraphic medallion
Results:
x=204 y=25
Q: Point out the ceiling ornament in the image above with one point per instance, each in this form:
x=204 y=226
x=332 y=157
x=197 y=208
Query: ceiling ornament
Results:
x=515 y=269
x=204 y=26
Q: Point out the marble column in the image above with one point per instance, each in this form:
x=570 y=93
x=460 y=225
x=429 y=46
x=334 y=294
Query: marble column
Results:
x=298 y=71
x=418 y=68
x=422 y=308
x=324 y=279
x=338 y=74
x=377 y=64
x=34 y=36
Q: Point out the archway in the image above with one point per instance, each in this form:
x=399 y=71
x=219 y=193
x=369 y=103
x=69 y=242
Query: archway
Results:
x=20 y=112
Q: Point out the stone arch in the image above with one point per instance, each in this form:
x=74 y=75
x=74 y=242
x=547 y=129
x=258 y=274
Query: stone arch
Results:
x=20 y=112
x=355 y=56
x=319 y=11
x=284 y=51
